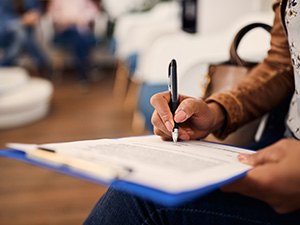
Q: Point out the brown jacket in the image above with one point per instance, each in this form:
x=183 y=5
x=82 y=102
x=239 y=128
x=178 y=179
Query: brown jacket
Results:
x=266 y=86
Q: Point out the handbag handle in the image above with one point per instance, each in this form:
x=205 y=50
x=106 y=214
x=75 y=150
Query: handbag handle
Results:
x=234 y=57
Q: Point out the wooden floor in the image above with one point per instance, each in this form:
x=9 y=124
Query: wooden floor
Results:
x=35 y=196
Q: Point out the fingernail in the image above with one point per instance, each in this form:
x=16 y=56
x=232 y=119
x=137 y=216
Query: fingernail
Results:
x=243 y=158
x=180 y=116
x=169 y=126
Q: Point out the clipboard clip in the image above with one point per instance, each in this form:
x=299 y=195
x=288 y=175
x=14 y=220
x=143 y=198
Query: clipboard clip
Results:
x=104 y=170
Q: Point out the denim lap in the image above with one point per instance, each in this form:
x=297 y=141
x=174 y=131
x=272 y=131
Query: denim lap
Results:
x=117 y=208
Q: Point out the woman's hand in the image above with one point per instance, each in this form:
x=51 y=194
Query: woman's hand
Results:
x=275 y=178
x=30 y=18
x=196 y=119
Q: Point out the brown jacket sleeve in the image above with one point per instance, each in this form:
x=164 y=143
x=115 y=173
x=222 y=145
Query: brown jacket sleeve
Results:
x=266 y=86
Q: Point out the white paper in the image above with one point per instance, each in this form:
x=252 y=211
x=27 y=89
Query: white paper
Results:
x=167 y=166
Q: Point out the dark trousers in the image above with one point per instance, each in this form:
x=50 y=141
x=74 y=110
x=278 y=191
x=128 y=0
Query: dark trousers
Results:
x=15 y=39
x=217 y=208
x=80 y=44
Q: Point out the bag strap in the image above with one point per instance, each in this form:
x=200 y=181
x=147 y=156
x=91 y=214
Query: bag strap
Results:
x=234 y=57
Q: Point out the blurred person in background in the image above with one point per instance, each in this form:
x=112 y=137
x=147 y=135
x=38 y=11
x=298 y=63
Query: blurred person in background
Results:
x=73 y=21
x=18 y=19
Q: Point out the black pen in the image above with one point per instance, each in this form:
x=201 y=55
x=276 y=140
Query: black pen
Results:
x=172 y=86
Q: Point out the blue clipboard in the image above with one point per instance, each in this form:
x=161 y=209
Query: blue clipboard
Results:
x=155 y=195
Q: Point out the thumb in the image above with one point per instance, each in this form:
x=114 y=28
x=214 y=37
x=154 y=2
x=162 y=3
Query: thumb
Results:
x=188 y=108
x=271 y=154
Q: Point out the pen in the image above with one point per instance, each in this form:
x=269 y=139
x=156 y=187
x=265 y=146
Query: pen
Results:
x=172 y=86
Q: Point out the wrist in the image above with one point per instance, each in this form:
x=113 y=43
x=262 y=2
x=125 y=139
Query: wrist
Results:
x=218 y=114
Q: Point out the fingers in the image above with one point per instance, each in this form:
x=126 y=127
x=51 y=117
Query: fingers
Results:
x=273 y=178
x=160 y=128
x=192 y=115
x=271 y=154
x=162 y=117
x=165 y=137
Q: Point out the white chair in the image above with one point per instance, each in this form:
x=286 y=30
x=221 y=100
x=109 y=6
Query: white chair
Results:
x=23 y=100
x=192 y=49
x=144 y=28
x=117 y=8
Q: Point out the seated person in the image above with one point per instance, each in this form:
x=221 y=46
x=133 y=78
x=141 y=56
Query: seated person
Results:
x=72 y=24
x=18 y=19
x=270 y=192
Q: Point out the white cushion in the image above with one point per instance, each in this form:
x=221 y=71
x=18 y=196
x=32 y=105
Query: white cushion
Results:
x=11 y=78
x=20 y=118
x=25 y=104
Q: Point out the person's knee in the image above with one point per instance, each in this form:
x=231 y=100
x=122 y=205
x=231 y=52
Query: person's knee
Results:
x=109 y=208
x=118 y=207
x=17 y=31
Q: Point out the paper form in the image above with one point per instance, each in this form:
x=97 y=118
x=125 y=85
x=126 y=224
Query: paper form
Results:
x=166 y=166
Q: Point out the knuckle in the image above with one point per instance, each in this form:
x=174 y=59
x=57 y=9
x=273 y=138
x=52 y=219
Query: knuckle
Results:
x=270 y=182
x=165 y=117
x=188 y=103
x=256 y=159
x=155 y=120
x=191 y=105
x=156 y=131
x=160 y=133
x=153 y=99
x=156 y=98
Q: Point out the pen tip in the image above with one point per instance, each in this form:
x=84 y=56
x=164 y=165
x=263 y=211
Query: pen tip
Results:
x=175 y=135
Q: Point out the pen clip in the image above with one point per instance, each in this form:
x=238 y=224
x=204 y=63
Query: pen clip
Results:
x=169 y=78
x=172 y=86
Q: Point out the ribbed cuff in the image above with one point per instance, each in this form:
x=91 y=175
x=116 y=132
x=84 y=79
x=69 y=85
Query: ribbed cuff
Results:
x=233 y=112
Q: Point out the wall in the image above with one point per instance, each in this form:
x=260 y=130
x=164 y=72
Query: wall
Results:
x=214 y=15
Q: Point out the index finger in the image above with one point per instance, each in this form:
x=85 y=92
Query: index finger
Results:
x=160 y=102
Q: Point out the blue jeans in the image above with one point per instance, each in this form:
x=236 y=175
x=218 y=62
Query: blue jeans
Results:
x=80 y=44
x=14 y=39
x=217 y=208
